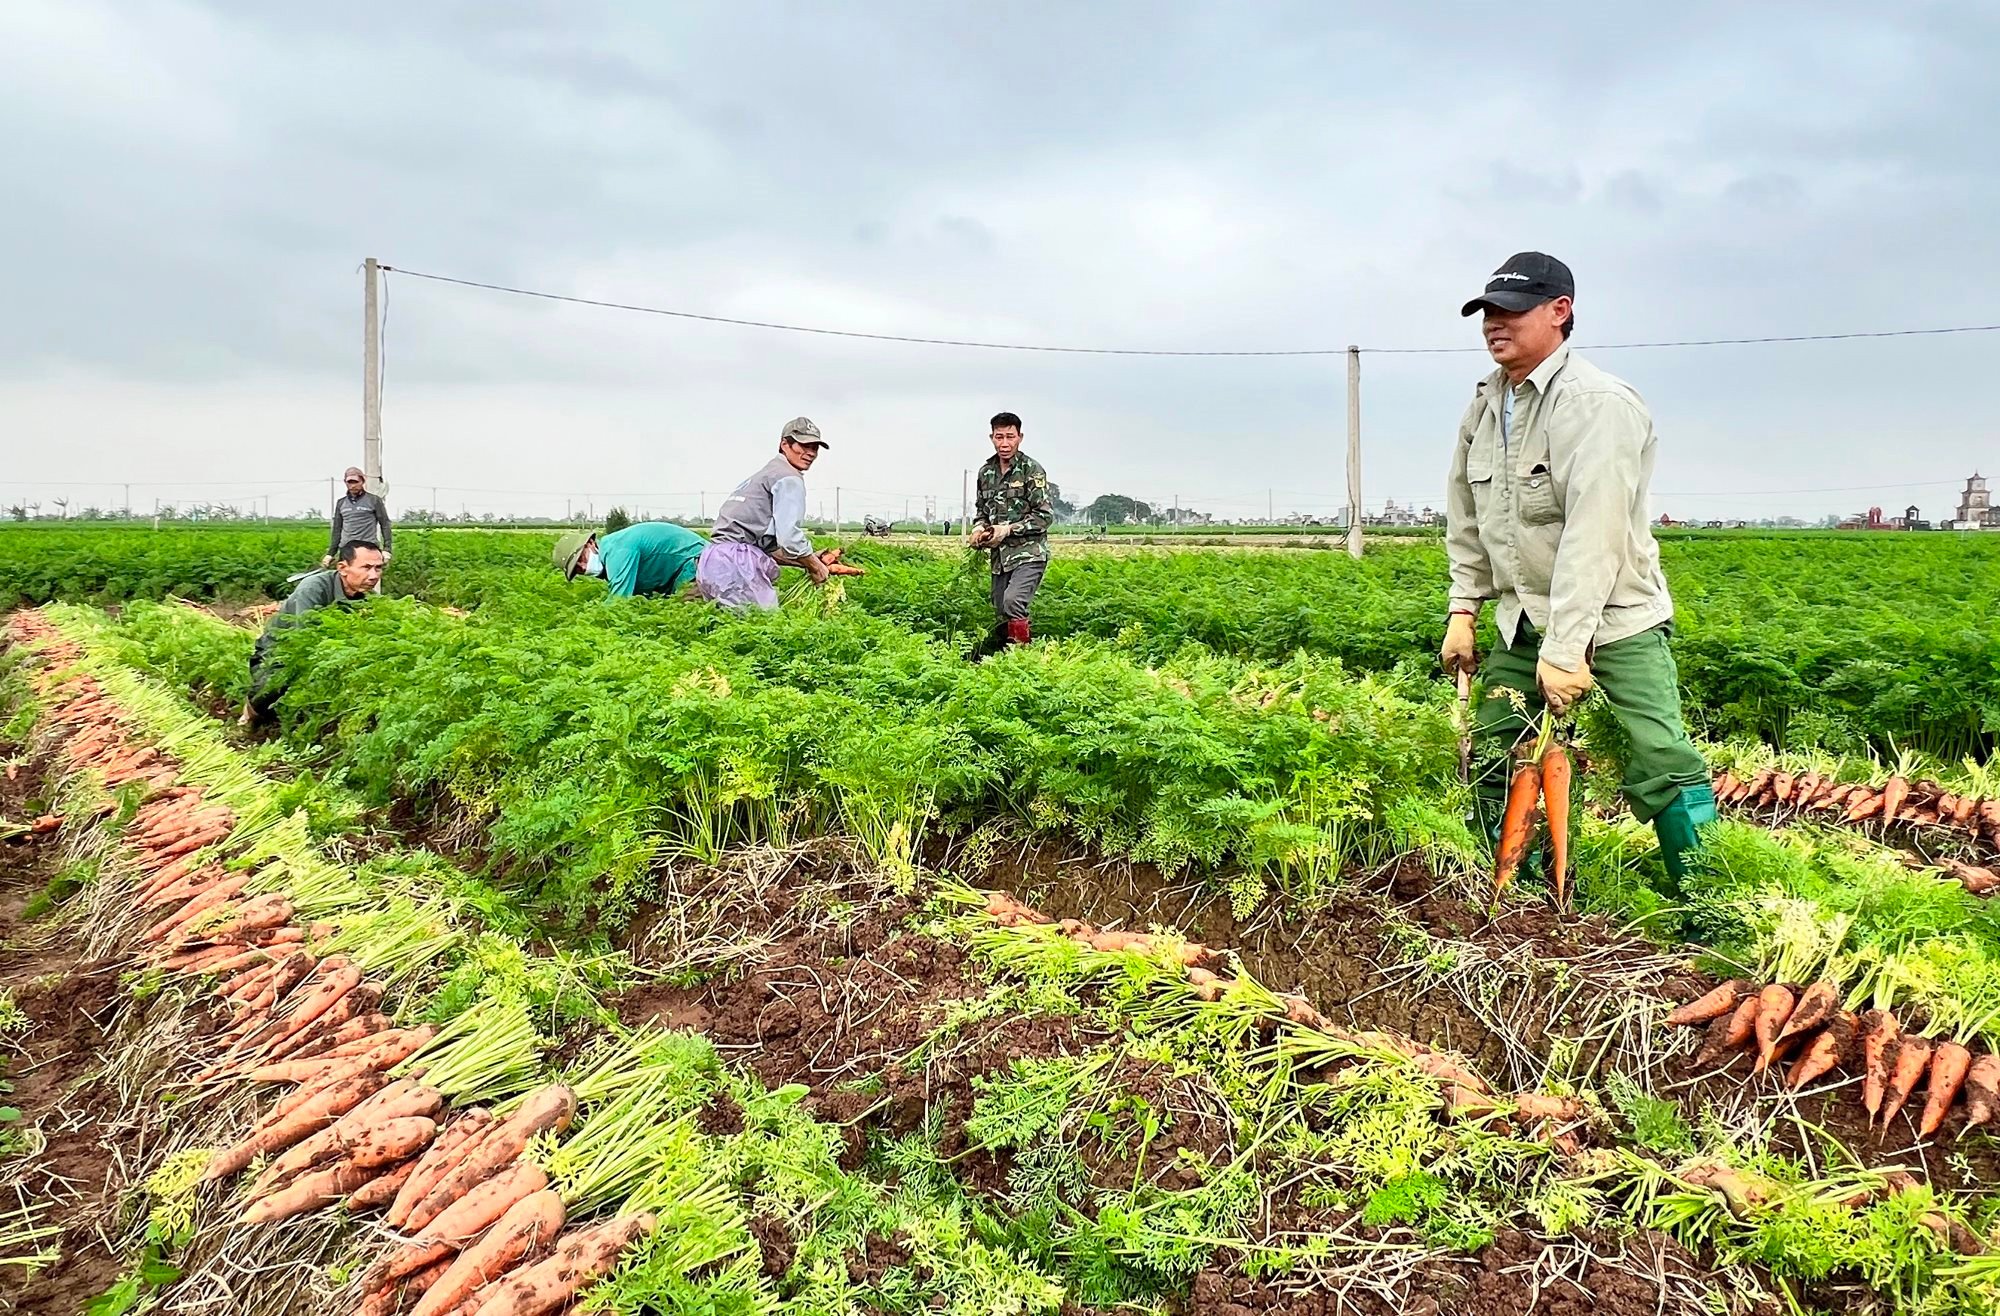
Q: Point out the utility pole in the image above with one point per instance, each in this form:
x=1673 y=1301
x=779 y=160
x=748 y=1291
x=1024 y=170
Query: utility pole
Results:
x=128 y=502
x=836 y=511
x=1353 y=451
x=1270 y=518
x=434 y=502
x=964 y=498
x=702 y=514
x=371 y=378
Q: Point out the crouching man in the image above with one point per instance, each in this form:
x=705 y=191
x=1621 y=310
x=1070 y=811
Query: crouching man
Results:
x=356 y=571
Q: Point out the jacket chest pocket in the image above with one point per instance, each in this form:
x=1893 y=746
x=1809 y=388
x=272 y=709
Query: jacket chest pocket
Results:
x=1535 y=489
x=1479 y=468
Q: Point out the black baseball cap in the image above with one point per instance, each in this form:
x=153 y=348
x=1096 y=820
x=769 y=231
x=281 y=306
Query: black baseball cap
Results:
x=1526 y=279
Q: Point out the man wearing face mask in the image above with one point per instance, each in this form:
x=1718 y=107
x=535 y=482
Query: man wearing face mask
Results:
x=650 y=557
x=1546 y=513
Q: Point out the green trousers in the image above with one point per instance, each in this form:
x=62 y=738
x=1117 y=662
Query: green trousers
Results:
x=1640 y=683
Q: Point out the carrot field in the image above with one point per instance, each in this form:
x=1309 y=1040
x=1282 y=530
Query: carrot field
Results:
x=555 y=952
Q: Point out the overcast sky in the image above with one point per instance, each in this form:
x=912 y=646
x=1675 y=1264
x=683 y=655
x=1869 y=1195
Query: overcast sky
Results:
x=191 y=187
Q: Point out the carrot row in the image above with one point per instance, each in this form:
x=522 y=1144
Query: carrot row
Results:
x=483 y=1229
x=1808 y=1028
x=1921 y=803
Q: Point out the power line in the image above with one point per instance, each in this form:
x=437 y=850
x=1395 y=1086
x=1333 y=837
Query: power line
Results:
x=1147 y=351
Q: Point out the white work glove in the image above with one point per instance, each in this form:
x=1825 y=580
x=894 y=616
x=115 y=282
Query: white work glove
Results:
x=326 y=561
x=1000 y=532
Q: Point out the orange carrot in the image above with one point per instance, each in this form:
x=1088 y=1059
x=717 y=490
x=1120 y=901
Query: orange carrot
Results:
x=330 y=1043
x=1726 y=787
x=551 y=1284
x=310 y=1193
x=1949 y=1065
x=211 y=895
x=380 y=1191
x=1517 y=825
x=360 y=1001
x=1827 y=1050
x=1555 y=798
x=1816 y=1004
x=1865 y=804
x=267 y=911
x=1781 y=787
x=1759 y=783
x=1717 y=1001
x=1729 y=1031
x=1774 y=1009
x=1894 y=792
x=1982 y=1090
x=334 y=983
x=435 y=1163
x=459 y=1224
x=1913 y=1057
x=396 y=1294
x=1879 y=1031
x=1962 y=813
x=321 y=1109
x=527 y=1228
x=548 y=1108
x=403 y=1099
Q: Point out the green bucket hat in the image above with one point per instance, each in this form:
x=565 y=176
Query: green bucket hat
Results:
x=569 y=552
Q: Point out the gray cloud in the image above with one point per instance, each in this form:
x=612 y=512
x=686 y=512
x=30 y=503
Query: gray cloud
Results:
x=195 y=184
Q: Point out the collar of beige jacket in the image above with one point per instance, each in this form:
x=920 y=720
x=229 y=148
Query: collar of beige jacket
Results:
x=1540 y=375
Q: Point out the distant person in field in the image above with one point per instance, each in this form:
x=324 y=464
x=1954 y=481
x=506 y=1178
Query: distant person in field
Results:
x=1011 y=522
x=649 y=557
x=359 y=517
x=761 y=527
x=1546 y=513
x=357 y=569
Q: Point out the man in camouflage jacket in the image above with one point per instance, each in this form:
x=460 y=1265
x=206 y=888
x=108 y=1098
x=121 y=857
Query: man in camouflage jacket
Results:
x=1012 y=518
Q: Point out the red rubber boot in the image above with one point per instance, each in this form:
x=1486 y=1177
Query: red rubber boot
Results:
x=1017 y=630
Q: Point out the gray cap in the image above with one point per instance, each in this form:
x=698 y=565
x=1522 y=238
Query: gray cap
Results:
x=803 y=432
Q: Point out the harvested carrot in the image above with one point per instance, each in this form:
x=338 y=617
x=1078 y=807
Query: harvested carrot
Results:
x=553 y=1283
x=381 y=1190
x=334 y=983
x=1816 y=1004
x=252 y=916
x=1726 y=787
x=547 y=1109
x=1963 y=812
x=1833 y=1045
x=1913 y=1057
x=1729 y=1031
x=1949 y=1064
x=434 y=1164
x=403 y=1099
x=1774 y=1010
x=1555 y=802
x=1879 y=1031
x=1717 y=1001
x=1865 y=804
x=1982 y=1090
x=309 y=1193
x=212 y=895
x=329 y=1044
x=1759 y=783
x=1894 y=792
x=1781 y=787
x=461 y=1223
x=526 y=1230
x=396 y=1294
x=1517 y=824
x=321 y=1109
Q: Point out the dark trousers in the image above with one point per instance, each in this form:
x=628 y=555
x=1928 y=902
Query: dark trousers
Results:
x=1014 y=590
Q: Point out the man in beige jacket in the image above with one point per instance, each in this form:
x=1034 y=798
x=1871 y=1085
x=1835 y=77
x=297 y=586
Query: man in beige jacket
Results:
x=1546 y=513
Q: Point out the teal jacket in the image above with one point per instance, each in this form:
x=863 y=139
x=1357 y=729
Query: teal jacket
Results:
x=652 y=557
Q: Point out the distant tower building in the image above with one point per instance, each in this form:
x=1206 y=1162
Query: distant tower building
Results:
x=1972 y=507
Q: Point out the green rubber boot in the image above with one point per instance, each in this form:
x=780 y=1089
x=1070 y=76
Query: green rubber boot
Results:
x=1679 y=826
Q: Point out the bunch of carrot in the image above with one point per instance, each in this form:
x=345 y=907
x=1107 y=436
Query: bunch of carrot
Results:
x=1465 y=1094
x=1916 y=803
x=1538 y=791
x=1810 y=1027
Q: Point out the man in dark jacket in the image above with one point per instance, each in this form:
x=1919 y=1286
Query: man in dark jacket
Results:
x=356 y=571
x=359 y=517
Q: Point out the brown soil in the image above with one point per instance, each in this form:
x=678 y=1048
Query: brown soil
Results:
x=80 y=1172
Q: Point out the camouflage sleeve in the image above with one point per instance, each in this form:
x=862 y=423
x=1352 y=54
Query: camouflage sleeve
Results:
x=1038 y=511
x=984 y=496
